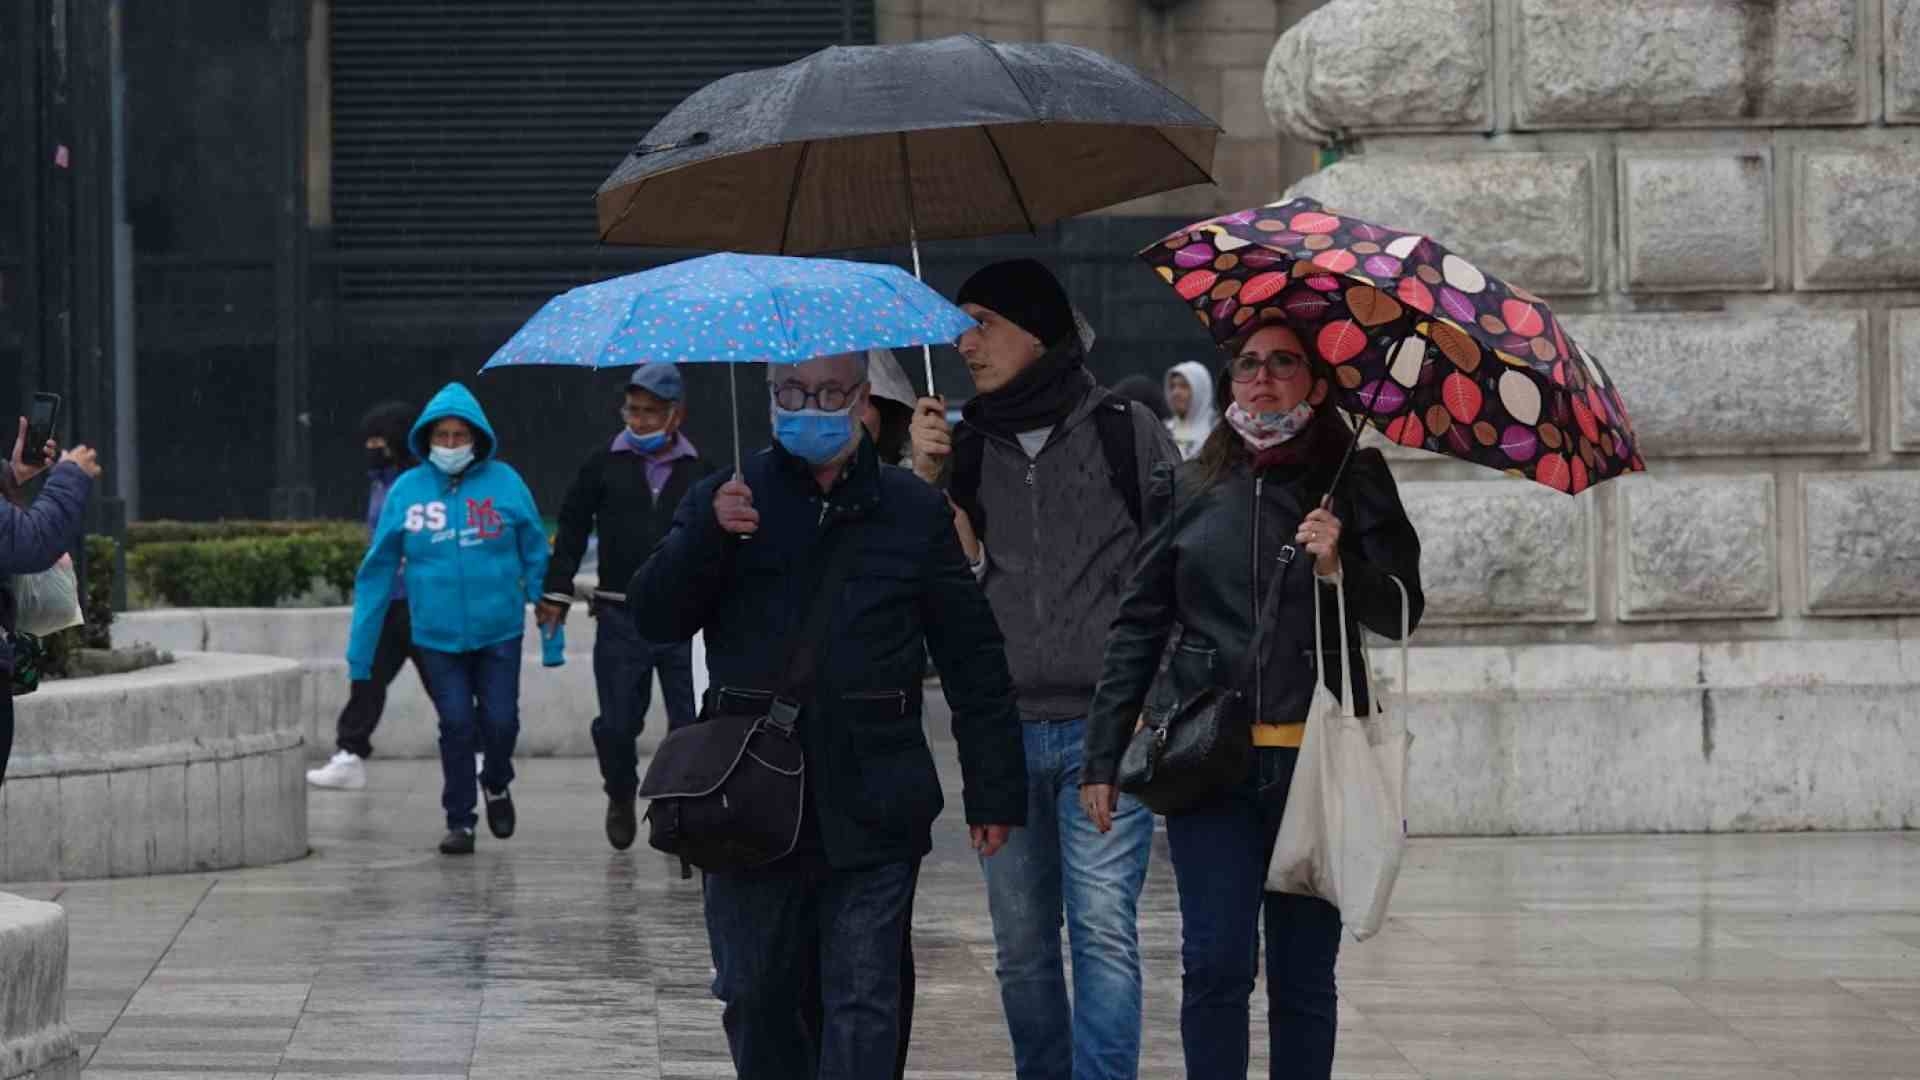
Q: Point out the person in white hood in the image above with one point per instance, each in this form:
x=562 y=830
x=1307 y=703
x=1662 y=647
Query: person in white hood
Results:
x=1189 y=389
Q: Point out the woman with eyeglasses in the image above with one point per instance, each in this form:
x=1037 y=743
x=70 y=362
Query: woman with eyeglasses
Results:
x=1253 y=504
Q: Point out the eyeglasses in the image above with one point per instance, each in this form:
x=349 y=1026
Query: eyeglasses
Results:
x=1247 y=366
x=793 y=396
x=646 y=412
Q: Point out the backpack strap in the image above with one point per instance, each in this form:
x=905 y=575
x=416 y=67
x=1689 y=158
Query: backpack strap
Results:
x=1113 y=422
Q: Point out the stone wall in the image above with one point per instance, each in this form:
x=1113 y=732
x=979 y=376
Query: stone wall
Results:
x=192 y=766
x=1723 y=199
x=1211 y=52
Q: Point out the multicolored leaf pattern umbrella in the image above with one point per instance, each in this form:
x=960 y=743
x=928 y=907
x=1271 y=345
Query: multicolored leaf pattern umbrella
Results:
x=1424 y=345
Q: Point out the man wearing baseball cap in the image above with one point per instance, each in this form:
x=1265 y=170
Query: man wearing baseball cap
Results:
x=627 y=493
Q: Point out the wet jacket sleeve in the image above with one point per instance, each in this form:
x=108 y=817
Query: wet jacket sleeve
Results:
x=533 y=543
x=1136 y=641
x=677 y=588
x=373 y=587
x=971 y=655
x=32 y=538
x=577 y=513
x=1379 y=542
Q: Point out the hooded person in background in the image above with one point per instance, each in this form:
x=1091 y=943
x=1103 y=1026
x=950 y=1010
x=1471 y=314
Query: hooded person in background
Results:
x=1189 y=390
x=627 y=494
x=384 y=430
x=1047 y=471
x=464 y=531
x=888 y=415
x=34 y=535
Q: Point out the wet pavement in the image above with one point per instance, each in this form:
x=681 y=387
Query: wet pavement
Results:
x=550 y=955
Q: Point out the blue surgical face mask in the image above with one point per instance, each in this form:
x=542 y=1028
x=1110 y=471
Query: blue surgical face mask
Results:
x=645 y=444
x=451 y=460
x=812 y=435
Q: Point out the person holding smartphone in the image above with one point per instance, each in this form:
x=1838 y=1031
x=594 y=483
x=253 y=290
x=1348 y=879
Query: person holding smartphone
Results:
x=35 y=533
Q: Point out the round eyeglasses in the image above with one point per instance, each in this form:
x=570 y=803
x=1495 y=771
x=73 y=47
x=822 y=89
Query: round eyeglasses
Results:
x=793 y=397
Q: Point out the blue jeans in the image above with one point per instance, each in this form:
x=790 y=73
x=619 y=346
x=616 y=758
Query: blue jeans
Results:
x=623 y=667
x=767 y=927
x=477 y=695
x=1059 y=868
x=1220 y=852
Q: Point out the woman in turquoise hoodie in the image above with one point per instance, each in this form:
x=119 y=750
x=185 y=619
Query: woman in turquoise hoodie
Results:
x=475 y=552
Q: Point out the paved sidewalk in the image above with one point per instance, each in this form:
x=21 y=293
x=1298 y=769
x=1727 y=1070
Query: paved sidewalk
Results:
x=549 y=955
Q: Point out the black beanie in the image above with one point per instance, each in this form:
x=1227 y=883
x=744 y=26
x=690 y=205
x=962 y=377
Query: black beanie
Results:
x=1025 y=293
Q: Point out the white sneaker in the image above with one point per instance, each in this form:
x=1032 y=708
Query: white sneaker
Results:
x=346 y=772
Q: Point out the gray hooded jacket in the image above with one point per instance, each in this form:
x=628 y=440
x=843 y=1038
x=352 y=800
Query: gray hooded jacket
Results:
x=1060 y=551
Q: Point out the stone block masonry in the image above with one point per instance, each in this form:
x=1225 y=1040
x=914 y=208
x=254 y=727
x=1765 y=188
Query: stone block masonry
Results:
x=1722 y=200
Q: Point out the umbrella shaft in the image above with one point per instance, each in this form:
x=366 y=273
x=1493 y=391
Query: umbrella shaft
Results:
x=913 y=241
x=733 y=392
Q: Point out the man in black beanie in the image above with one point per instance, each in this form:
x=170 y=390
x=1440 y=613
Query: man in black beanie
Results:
x=1047 y=471
x=384 y=432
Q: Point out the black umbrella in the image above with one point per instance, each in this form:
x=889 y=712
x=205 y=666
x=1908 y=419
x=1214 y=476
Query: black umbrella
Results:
x=872 y=145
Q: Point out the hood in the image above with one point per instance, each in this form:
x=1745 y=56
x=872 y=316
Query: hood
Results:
x=1200 y=413
x=454 y=400
x=887 y=379
x=391 y=420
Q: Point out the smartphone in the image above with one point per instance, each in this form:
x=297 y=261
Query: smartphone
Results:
x=41 y=418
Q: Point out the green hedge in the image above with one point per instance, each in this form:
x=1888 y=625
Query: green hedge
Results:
x=242 y=564
x=178 y=532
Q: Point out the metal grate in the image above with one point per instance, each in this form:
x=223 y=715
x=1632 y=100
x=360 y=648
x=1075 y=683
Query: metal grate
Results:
x=488 y=124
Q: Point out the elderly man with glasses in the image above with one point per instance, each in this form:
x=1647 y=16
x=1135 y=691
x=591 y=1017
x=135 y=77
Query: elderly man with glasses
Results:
x=816 y=519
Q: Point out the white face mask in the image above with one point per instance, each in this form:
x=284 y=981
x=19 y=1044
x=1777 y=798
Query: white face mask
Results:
x=451 y=460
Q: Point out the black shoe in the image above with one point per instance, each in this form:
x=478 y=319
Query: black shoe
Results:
x=500 y=816
x=457 y=842
x=622 y=826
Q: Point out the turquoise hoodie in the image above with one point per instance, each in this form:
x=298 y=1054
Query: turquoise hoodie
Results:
x=474 y=546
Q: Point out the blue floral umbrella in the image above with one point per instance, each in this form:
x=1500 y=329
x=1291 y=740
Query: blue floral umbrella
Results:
x=730 y=309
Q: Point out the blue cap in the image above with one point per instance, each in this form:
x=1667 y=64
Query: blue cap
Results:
x=660 y=380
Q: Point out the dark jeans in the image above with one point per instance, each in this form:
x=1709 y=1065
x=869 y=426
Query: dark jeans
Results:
x=478 y=697
x=1220 y=853
x=367 y=698
x=623 y=667
x=810 y=1008
x=766 y=927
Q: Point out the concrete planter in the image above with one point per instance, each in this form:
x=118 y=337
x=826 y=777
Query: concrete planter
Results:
x=35 y=1042
x=192 y=766
x=556 y=704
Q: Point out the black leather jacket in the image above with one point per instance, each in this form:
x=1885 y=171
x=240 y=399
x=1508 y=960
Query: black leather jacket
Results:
x=1206 y=567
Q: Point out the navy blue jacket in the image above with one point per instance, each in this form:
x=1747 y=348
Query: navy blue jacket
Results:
x=871 y=777
x=32 y=538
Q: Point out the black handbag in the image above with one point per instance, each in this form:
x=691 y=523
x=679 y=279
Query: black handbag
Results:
x=728 y=793
x=1203 y=745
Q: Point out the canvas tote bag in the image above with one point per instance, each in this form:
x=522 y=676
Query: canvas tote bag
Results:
x=1344 y=831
